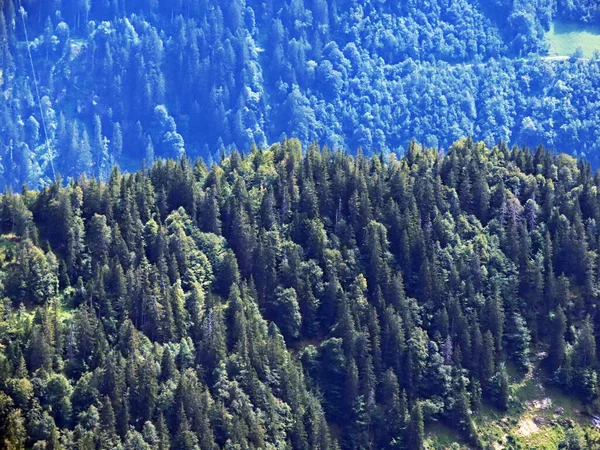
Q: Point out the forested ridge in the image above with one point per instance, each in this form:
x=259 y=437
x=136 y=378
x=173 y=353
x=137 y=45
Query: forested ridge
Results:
x=121 y=81
x=297 y=300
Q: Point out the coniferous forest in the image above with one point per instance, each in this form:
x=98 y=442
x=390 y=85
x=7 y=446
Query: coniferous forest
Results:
x=244 y=225
x=298 y=300
x=120 y=81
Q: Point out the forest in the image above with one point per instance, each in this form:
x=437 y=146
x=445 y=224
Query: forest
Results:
x=89 y=84
x=296 y=298
x=244 y=225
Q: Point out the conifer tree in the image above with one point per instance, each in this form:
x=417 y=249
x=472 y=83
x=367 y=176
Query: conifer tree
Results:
x=557 y=350
x=415 y=431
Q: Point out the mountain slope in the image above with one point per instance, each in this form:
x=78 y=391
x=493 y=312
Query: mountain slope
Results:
x=124 y=81
x=290 y=300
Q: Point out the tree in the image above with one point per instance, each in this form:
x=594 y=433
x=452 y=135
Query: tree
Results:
x=415 y=431
x=168 y=370
x=487 y=362
x=146 y=390
x=169 y=143
x=557 y=351
x=461 y=412
x=180 y=315
x=585 y=350
x=394 y=412
x=185 y=439
x=494 y=317
x=213 y=335
x=97 y=142
x=585 y=362
x=574 y=440
x=59 y=392
x=333 y=366
x=15 y=431
x=499 y=388
x=107 y=424
x=518 y=340
x=84 y=151
x=40 y=350
x=98 y=237
x=135 y=441
x=287 y=313
x=35 y=278
x=116 y=143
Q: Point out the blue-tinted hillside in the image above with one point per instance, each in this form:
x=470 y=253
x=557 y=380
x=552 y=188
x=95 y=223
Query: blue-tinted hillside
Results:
x=128 y=80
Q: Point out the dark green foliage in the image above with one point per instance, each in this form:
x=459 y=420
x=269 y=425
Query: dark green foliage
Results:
x=326 y=302
x=518 y=341
x=557 y=352
x=287 y=313
x=499 y=388
x=415 y=433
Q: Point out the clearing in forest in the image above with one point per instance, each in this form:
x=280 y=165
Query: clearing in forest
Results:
x=566 y=37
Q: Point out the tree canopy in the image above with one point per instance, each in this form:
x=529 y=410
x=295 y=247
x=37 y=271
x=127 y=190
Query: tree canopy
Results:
x=126 y=81
x=231 y=306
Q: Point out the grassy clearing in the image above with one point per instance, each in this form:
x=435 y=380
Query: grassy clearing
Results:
x=65 y=311
x=537 y=419
x=441 y=437
x=566 y=37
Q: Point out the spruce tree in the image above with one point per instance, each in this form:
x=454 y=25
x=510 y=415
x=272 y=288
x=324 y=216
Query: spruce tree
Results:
x=415 y=431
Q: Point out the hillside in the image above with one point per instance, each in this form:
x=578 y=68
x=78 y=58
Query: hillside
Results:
x=290 y=300
x=132 y=80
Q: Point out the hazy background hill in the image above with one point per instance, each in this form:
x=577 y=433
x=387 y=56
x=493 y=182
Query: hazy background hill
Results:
x=126 y=80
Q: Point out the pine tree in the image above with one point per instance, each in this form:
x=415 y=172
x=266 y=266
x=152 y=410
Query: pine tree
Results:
x=107 y=424
x=116 y=143
x=146 y=391
x=288 y=313
x=168 y=370
x=415 y=431
x=213 y=335
x=333 y=366
x=15 y=431
x=500 y=388
x=185 y=439
x=487 y=362
x=494 y=317
x=394 y=414
x=585 y=362
x=84 y=152
x=163 y=434
x=177 y=305
x=40 y=350
x=518 y=339
x=585 y=350
x=461 y=412
x=557 y=350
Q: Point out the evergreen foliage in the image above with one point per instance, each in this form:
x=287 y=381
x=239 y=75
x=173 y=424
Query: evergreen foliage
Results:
x=186 y=307
x=123 y=81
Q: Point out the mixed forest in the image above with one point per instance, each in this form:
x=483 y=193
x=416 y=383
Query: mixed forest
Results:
x=122 y=81
x=290 y=299
x=170 y=279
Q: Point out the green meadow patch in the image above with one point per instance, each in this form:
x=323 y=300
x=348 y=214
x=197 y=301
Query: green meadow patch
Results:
x=566 y=37
x=538 y=418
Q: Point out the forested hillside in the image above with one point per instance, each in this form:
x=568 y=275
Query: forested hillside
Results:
x=282 y=301
x=126 y=80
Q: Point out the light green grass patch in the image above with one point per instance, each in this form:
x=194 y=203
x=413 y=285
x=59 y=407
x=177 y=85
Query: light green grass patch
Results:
x=566 y=37
x=531 y=422
x=440 y=437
